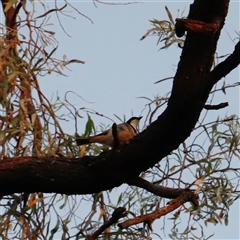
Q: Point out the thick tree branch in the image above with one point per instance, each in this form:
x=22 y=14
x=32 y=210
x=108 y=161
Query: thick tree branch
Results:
x=11 y=15
x=198 y=52
x=190 y=91
x=160 y=191
x=186 y=196
x=195 y=26
x=94 y=174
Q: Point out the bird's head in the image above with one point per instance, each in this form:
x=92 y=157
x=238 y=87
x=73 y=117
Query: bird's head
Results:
x=133 y=121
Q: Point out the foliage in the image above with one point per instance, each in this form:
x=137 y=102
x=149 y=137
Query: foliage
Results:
x=165 y=30
x=31 y=126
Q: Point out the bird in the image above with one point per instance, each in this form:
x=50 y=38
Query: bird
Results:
x=125 y=132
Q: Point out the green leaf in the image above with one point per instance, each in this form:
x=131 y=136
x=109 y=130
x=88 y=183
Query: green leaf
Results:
x=226 y=220
x=54 y=230
x=162 y=80
x=119 y=198
x=212 y=220
x=2 y=134
x=89 y=127
x=9 y=5
x=65 y=202
x=73 y=61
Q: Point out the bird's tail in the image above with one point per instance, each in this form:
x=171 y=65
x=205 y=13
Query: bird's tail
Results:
x=82 y=141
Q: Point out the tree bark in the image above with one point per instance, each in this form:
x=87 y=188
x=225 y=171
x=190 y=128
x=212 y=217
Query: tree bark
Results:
x=191 y=87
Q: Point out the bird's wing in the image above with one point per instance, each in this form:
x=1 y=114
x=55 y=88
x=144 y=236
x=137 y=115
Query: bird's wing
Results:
x=82 y=141
x=99 y=138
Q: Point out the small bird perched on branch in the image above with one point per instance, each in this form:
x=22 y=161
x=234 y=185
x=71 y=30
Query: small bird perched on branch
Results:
x=125 y=131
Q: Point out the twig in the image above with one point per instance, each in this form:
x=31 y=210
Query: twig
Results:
x=216 y=107
x=117 y=214
x=79 y=12
x=115 y=3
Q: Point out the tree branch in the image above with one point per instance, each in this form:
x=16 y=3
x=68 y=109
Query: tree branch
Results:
x=186 y=196
x=164 y=192
x=117 y=214
x=183 y=25
x=198 y=51
x=225 y=67
x=94 y=174
x=215 y=107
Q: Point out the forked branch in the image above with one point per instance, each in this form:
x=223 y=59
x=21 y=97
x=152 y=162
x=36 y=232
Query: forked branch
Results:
x=186 y=196
x=225 y=67
x=117 y=214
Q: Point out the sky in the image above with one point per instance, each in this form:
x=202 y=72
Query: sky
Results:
x=119 y=68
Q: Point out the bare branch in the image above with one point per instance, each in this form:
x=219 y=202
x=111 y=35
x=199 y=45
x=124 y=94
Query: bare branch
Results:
x=117 y=214
x=216 y=107
x=156 y=189
x=225 y=67
x=186 y=196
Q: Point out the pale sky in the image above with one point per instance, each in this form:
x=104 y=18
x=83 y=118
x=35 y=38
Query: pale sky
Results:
x=119 y=68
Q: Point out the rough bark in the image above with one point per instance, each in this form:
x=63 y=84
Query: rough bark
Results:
x=191 y=88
